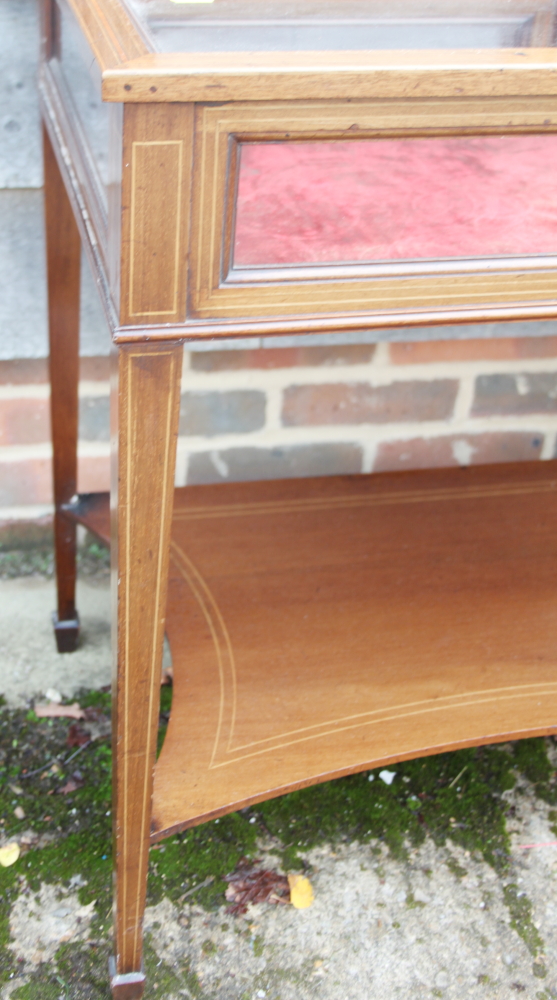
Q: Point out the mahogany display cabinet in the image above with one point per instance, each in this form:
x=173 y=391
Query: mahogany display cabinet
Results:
x=257 y=167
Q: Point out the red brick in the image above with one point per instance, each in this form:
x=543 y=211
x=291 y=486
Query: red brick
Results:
x=491 y=349
x=238 y=411
x=508 y=395
x=328 y=458
x=430 y=453
x=360 y=403
x=282 y=357
x=33 y=371
x=24 y=421
x=29 y=481
x=26 y=482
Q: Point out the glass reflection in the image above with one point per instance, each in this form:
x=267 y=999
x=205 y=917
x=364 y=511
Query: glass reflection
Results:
x=300 y=25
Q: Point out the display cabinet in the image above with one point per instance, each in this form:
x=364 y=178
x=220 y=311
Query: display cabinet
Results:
x=239 y=167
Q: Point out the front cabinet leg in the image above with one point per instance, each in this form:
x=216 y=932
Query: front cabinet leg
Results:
x=145 y=410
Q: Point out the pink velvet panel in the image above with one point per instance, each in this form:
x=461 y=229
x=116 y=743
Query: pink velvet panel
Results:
x=396 y=199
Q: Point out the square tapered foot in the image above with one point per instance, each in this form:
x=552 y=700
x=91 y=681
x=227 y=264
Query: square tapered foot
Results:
x=66 y=632
x=129 y=985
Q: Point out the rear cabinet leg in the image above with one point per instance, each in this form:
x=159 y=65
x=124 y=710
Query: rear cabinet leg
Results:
x=145 y=409
x=63 y=250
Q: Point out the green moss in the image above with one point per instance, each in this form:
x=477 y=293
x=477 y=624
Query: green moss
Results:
x=189 y=858
x=455 y=868
x=10 y=888
x=80 y=971
x=412 y=903
x=258 y=946
x=457 y=796
x=520 y=909
x=532 y=760
x=539 y=970
x=423 y=799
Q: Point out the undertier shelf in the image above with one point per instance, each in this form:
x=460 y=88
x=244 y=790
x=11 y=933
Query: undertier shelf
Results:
x=323 y=626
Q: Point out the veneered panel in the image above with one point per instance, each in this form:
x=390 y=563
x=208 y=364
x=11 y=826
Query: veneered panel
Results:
x=323 y=626
x=156 y=166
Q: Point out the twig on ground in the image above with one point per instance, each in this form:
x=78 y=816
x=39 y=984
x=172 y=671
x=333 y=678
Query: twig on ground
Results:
x=56 y=760
x=200 y=885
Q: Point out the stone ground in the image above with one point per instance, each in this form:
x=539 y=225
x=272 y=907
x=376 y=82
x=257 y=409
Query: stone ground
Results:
x=440 y=923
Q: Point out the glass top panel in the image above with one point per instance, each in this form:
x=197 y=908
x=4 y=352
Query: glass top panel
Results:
x=306 y=25
x=381 y=200
x=83 y=79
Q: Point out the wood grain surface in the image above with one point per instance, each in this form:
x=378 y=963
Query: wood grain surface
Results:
x=144 y=408
x=113 y=35
x=269 y=76
x=155 y=212
x=321 y=627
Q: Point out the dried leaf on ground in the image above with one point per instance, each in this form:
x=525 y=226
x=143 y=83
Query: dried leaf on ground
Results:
x=53 y=711
x=72 y=784
x=301 y=892
x=9 y=854
x=19 y=812
x=77 y=737
x=248 y=884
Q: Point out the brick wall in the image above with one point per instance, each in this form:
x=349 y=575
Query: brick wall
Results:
x=249 y=414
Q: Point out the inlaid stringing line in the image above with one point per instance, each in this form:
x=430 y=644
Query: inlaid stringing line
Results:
x=195 y=580
x=392 y=718
x=127 y=385
x=155 y=681
x=214 y=618
x=131 y=449
x=446 y=701
x=330 y=503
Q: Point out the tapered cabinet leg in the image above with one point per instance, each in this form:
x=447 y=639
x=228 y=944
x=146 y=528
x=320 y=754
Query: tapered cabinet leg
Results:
x=145 y=409
x=63 y=250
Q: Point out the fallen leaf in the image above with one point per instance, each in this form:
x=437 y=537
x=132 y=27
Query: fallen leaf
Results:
x=301 y=892
x=72 y=784
x=19 y=813
x=9 y=854
x=77 y=737
x=53 y=711
x=248 y=884
x=16 y=789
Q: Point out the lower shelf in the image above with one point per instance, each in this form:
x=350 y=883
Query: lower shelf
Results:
x=322 y=626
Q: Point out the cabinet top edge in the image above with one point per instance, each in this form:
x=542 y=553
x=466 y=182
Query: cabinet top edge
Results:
x=267 y=76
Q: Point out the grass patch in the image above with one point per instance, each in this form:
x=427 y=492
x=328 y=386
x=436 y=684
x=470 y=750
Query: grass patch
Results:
x=93 y=559
x=455 y=795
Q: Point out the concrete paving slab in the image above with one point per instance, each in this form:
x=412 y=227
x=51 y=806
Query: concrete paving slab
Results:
x=30 y=661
